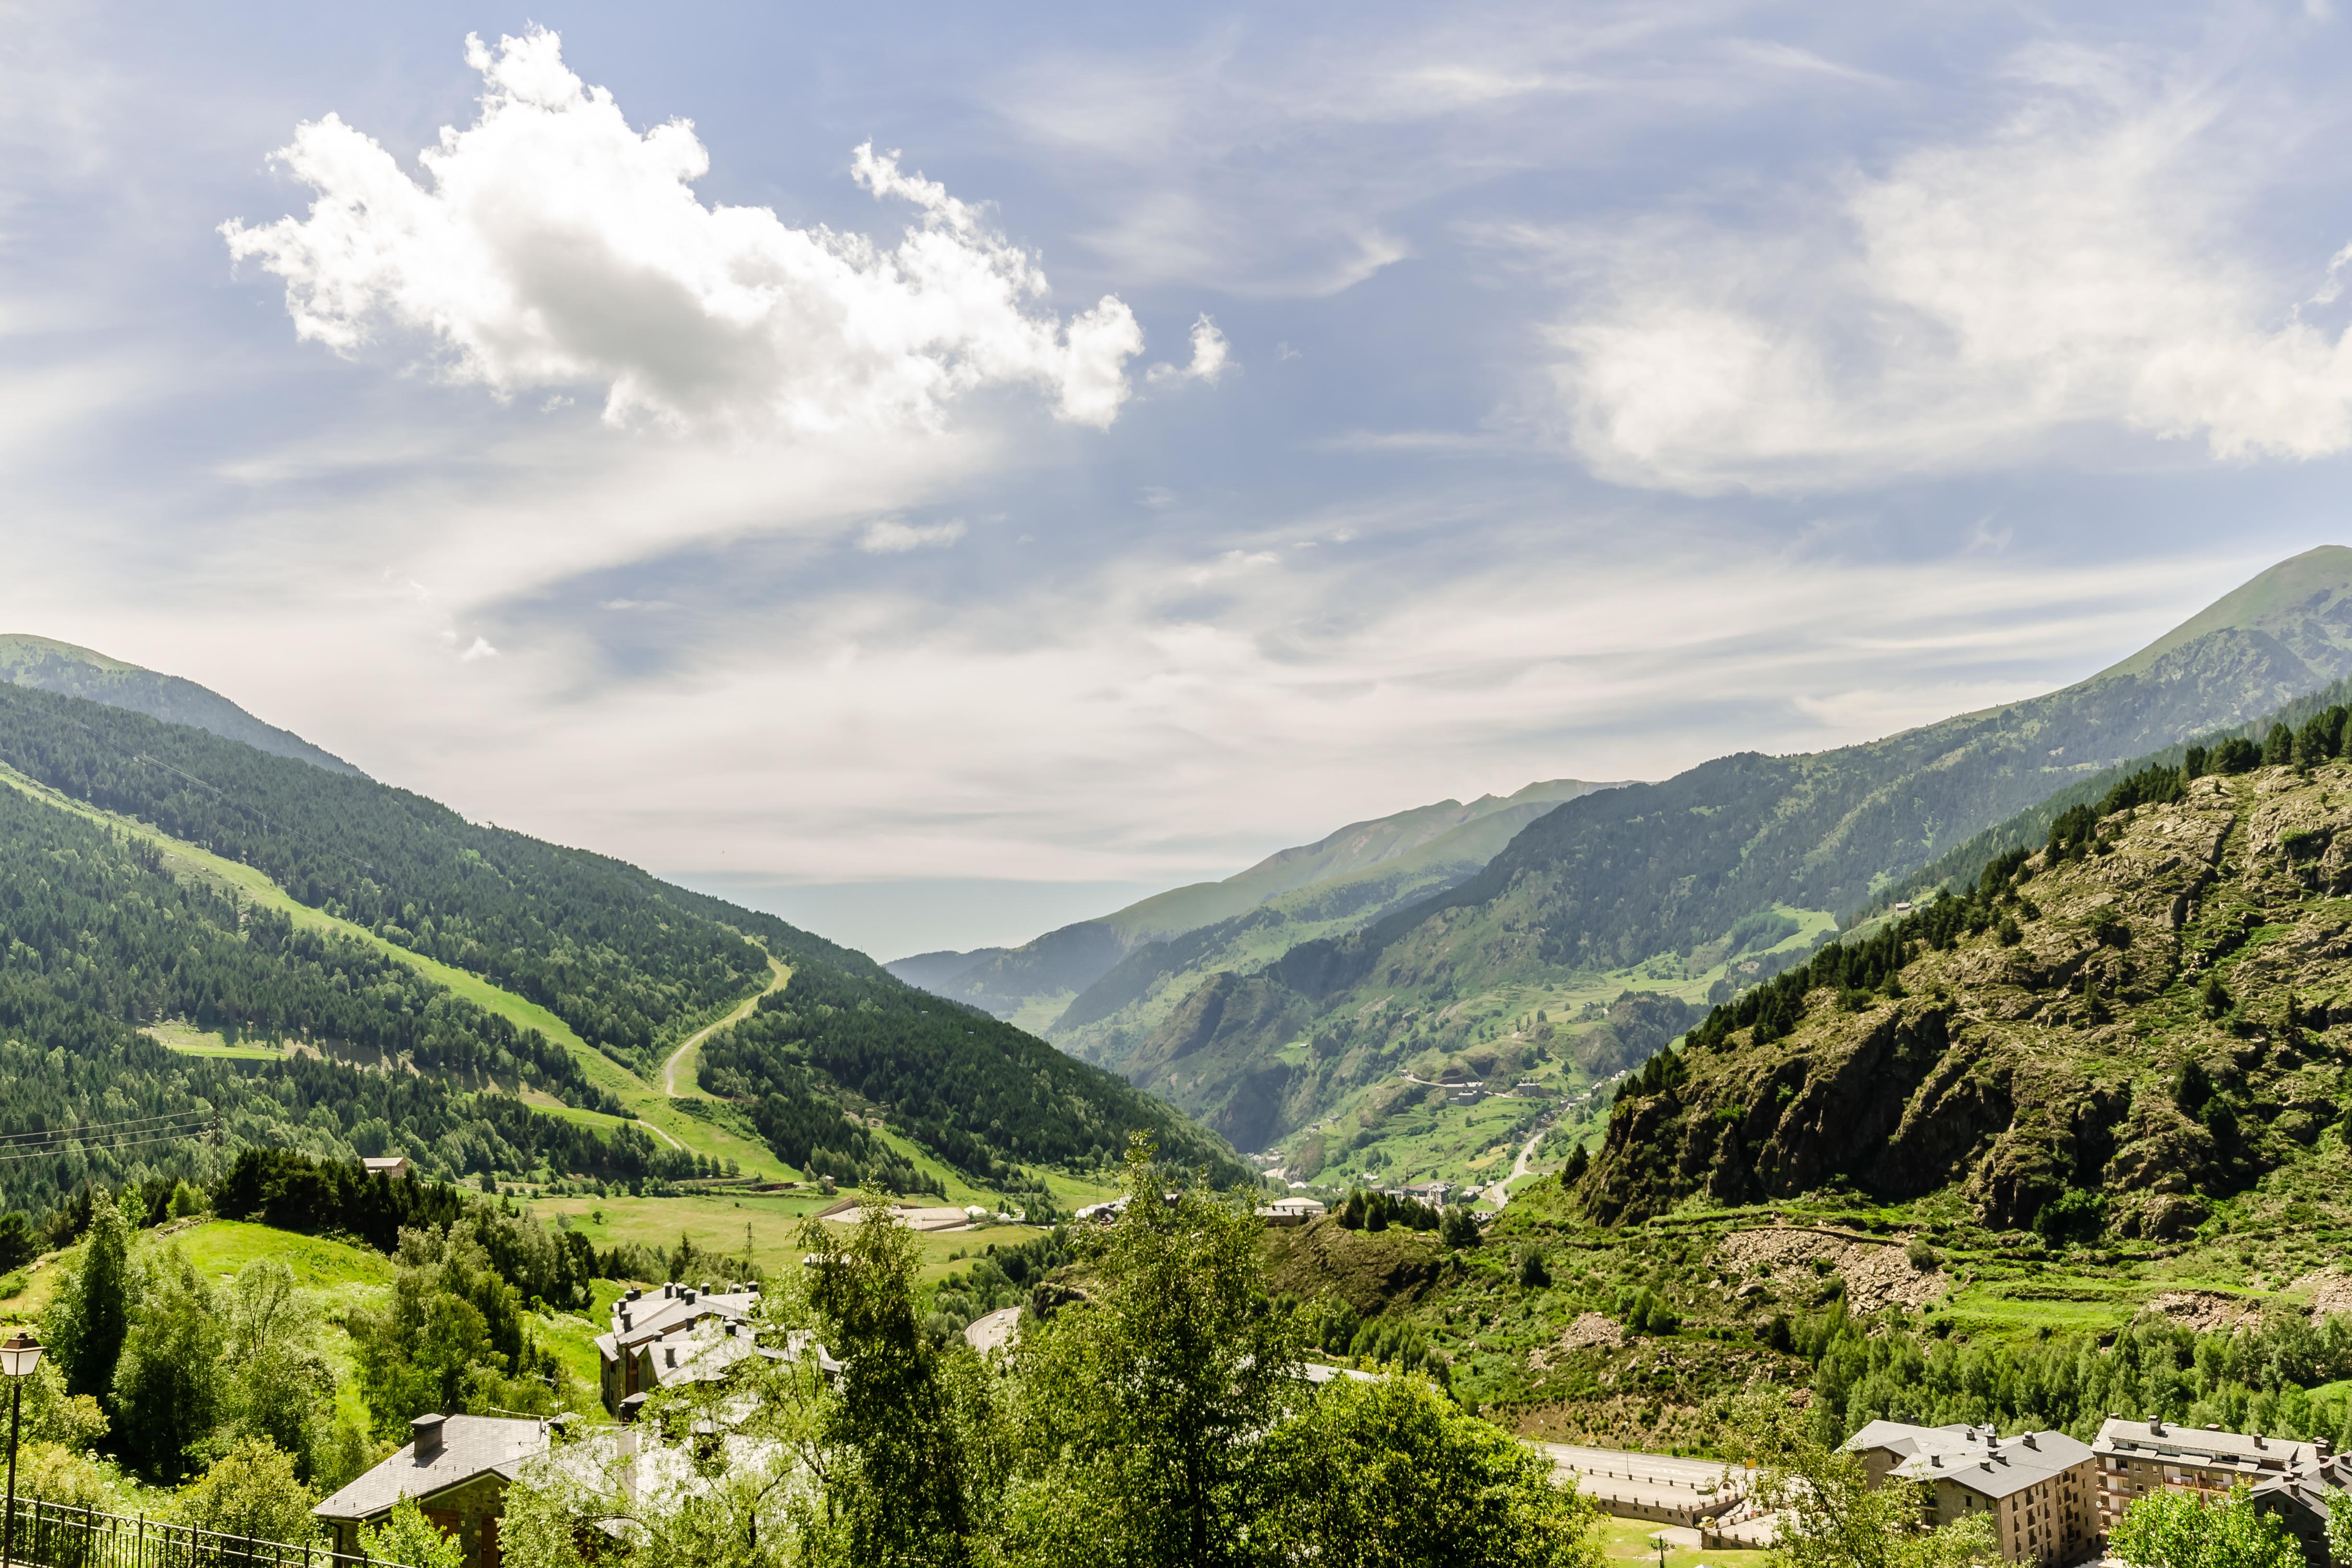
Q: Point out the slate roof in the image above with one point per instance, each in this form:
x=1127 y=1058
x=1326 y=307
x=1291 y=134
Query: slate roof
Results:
x=471 y=1445
x=1975 y=1457
x=651 y=1316
x=2247 y=1454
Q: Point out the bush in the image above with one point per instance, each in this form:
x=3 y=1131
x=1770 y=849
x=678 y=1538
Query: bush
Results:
x=407 y=1536
x=252 y=1490
x=2072 y=1215
x=1373 y=1475
x=1533 y=1274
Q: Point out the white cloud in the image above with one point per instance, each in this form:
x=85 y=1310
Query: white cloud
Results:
x=1210 y=357
x=2081 y=266
x=553 y=246
x=892 y=537
x=477 y=650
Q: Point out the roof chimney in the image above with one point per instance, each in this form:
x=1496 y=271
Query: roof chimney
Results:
x=426 y=1432
x=2156 y=1428
x=631 y=1294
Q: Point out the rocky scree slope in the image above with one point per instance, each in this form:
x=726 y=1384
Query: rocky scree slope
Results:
x=2125 y=1025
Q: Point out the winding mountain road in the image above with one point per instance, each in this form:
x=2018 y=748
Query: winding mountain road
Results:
x=777 y=975
x=1501 y=1191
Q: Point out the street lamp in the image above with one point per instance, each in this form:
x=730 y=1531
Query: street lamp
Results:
x=18 y=1357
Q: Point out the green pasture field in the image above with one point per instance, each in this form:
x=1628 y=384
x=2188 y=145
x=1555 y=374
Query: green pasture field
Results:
x=719 y=1221
x=177 y=1034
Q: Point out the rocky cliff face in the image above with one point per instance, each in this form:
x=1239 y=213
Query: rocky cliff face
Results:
x=2134 y=1031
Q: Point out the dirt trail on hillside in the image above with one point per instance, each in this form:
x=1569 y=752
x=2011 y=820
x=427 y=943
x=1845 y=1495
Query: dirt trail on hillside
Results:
x=777 y=975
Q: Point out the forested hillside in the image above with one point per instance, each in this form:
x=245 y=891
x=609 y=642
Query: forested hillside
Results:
x=1095 y=985
x=2068 y=1142
x=1644 y=883
x=2134 y=1021
x=107 y=932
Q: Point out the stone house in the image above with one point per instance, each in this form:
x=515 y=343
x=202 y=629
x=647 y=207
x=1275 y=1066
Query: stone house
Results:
x=458 y=1467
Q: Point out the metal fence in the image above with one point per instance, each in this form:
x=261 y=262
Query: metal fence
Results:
x=51 y=1535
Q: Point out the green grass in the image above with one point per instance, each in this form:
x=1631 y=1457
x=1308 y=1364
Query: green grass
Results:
x=223 y=1246
x=1635 y=1540
x=177 y=1034
x=720 y=1222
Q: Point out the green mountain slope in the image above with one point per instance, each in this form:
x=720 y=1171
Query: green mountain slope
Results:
x=217 y=887
x=1335 y=883
x=1644 y=885
x=48 y=666
x=2144 y=1011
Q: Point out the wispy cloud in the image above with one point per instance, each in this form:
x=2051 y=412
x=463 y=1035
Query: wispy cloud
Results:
x=2081 y=263
x=892 y=537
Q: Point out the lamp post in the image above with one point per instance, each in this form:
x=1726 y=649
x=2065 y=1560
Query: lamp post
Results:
x=18 y=1357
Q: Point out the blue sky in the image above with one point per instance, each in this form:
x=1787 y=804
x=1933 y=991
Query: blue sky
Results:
x=1182 y=431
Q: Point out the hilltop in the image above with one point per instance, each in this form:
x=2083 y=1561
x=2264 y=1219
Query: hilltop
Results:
x=59 y=666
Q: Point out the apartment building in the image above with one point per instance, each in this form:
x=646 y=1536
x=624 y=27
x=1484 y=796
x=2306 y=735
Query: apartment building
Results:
x=2037 y=1488
x=2137 y=1457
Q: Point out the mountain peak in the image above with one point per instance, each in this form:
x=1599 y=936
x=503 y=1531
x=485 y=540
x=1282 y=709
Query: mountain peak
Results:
x=2304 y=601
x=45 y=664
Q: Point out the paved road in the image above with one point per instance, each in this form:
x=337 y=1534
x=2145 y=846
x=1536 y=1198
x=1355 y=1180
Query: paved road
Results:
x=1501 y=1191
x=1622 y=1464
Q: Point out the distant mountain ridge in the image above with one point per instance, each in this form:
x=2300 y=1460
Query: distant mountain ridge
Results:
x=1655 y=875
x=47 y=665
x=1382 y=862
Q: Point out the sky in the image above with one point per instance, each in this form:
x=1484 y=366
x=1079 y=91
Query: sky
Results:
x=942 y=472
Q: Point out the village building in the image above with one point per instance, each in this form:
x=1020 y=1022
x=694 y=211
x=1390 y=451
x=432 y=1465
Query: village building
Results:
x=652 y=1343
x=1290 y=1211
x=2037 y=1488
x=394 y=1165
x=2294 y=1481
x=2137 y=1457
x=458 y=1467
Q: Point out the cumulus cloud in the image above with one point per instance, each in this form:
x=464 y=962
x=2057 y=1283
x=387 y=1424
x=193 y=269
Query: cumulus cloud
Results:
x=1210 y=355
x=553 y=246
x=892 y=537
x=2078 y=267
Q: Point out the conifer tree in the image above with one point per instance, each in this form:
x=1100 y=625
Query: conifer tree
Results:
x=90 y=1316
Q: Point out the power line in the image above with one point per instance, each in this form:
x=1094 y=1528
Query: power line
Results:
x=104 y=1126
x=40 y=1154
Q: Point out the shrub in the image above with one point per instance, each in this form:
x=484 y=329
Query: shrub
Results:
x=252 y=1490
